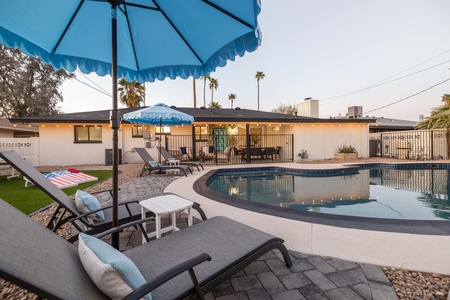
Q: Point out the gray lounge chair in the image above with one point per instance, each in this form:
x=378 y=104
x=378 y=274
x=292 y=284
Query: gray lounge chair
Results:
x=66 y=210
x=43 y=263
x=146 y=157
x=168 y=157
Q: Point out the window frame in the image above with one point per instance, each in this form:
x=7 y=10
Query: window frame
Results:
x=88 y=141
x=133 y=135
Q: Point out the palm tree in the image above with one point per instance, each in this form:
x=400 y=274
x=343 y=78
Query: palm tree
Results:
x=440 y=116
x=213 y=85
x=232 y=97
x=259 y=75
x=131 y=93
x=204 y=88
x=195 y=94
x=214 y=105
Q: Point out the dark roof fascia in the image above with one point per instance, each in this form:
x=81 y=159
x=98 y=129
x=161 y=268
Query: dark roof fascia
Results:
x=217 y=116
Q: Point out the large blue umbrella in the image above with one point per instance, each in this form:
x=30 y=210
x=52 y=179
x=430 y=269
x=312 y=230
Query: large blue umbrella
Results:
x=159 y=115
x=140 y=40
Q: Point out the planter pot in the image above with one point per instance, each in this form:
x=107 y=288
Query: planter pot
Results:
x=346 y=156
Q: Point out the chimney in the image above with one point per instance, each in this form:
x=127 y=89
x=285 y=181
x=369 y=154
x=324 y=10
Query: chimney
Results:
x=309 y=108
x=355 y=112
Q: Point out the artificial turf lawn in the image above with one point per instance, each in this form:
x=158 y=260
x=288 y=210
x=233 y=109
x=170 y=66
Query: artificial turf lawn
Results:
x=30 y=199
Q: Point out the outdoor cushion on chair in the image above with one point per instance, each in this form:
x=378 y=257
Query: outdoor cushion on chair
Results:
x=87 y=203
x=111 y=271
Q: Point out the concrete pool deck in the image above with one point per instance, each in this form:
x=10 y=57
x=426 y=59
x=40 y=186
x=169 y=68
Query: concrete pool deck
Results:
x=420 y=252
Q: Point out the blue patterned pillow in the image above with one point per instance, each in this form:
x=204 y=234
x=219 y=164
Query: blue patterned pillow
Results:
x=183 y=150
x=111 y=271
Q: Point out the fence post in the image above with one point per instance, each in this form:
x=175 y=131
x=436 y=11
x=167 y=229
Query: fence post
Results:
x=247 y=142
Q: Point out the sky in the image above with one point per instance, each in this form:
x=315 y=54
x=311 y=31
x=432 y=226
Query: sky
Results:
x=332 y=51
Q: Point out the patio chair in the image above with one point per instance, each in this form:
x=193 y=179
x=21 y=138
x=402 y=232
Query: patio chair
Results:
x=66 y=210
x=167 y=157
x=152 y=165
x=47 y=265
x=269 y=152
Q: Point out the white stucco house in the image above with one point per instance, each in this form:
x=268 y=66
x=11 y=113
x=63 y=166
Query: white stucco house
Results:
x=85 y=137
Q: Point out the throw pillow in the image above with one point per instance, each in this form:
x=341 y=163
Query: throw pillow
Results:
x=183 y=150
x=211 y=149
x=85 y=203
x=154 y=164
x=111 y=271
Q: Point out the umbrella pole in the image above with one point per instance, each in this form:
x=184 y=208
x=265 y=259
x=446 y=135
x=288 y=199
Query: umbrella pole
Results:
x=160 y=128
x=115 y=127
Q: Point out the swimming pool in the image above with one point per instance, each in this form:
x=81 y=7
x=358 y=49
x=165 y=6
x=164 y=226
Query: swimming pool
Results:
x=387 y=191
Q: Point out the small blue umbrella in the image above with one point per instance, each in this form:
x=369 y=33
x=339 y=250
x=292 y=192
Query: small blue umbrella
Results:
x=141 y=40
x=159 y=115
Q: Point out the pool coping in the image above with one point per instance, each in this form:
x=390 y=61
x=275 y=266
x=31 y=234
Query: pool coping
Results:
x=427 y=227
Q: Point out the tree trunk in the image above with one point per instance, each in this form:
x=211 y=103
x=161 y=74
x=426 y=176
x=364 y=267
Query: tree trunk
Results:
x=258 y=94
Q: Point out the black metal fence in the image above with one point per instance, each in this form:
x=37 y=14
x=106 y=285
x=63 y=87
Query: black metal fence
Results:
x=414 y=144
x=232 y=149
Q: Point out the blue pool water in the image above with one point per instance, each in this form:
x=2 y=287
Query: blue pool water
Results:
x=417 y=192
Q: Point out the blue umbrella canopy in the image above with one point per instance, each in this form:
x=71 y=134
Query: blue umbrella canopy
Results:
x=141 y=40
x=159 y=115
x=156 y=38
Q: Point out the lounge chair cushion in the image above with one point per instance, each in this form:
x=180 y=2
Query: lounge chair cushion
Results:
x=111 y=271
x=154 y=164
x=85 y=203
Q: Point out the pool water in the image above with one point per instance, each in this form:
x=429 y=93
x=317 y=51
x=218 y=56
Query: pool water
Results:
x=417 y=194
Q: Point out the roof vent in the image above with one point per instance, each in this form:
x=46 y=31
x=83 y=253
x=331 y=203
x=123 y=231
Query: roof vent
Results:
x=237 y=108
x=202 y=108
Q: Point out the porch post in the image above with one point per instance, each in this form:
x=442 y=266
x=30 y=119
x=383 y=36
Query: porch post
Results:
x=194 y=144
x=247 y=143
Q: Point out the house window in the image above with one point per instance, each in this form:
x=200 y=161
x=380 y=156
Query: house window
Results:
x=137 y=131
x=162 y=130
x=201 y=133
x=88 y=134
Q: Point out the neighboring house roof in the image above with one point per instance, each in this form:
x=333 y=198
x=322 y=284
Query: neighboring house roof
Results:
x=6 y=124
x=222 y=115
x=394 y=124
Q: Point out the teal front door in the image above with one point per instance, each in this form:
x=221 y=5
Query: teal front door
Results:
x=220 y=139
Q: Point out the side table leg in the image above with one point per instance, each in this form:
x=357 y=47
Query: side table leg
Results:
x=158 y=226
x=190 y=216
x=143 y=224
x=174 y=222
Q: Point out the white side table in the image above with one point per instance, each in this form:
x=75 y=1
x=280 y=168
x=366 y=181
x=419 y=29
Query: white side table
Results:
x=162 y=206
x=173 y=162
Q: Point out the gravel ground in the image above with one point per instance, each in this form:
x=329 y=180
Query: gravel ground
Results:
x=408 y=284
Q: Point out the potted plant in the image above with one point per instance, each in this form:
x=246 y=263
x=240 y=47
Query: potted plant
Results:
x=346 y=152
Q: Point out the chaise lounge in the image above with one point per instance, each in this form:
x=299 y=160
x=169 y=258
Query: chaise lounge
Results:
x=67 y=210
x=182 y=265
x=151 y=165
x=168 y=157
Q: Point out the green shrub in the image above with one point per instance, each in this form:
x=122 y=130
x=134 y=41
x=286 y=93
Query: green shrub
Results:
x=346 y=149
